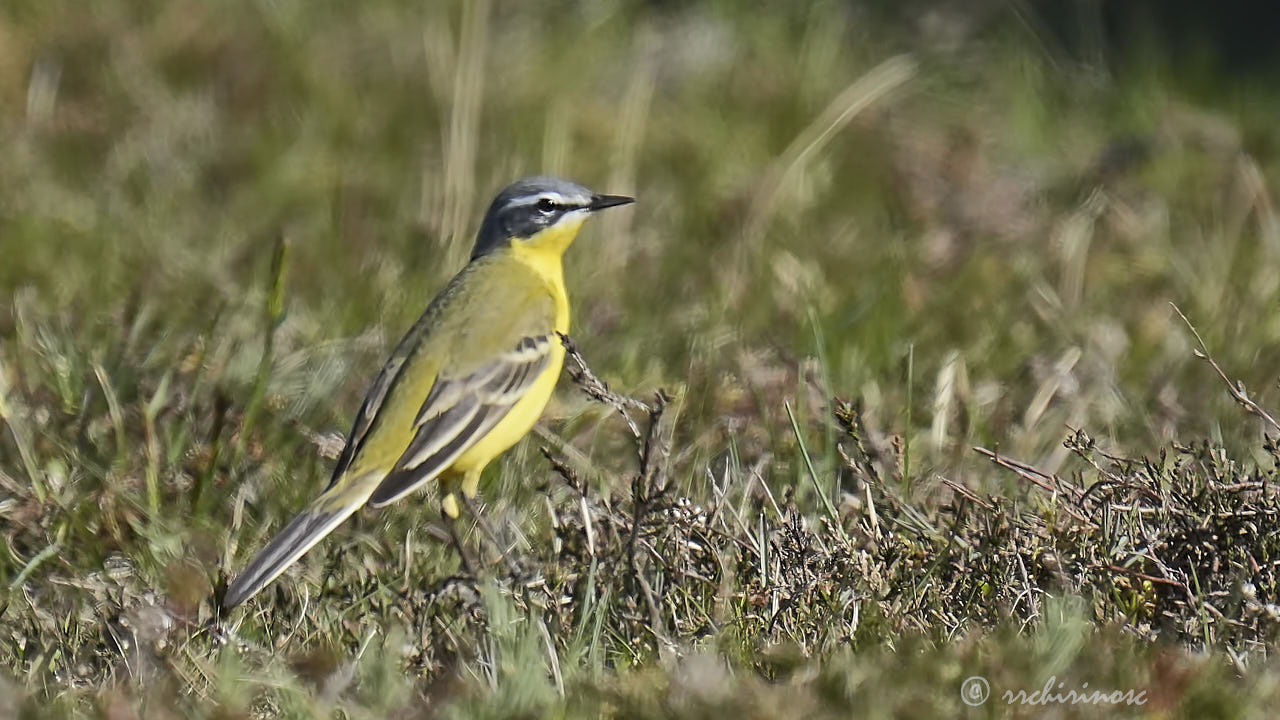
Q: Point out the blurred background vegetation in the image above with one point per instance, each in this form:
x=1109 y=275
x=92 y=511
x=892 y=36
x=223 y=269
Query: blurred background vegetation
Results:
x=968 y=217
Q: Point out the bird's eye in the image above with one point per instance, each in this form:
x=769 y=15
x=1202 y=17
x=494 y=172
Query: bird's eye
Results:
x=546 y=205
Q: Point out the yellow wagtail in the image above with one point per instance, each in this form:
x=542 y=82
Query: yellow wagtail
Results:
x=468 y=380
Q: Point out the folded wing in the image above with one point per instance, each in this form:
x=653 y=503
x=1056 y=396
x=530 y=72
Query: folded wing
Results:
x=461 y=410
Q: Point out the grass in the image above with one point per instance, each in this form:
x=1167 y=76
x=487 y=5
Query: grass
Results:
x=857 y=255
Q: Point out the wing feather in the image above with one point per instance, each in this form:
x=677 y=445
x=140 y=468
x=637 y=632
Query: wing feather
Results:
x=458 y=412
x=435 y=434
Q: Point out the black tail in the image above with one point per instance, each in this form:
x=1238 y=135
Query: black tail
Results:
x=298 y=536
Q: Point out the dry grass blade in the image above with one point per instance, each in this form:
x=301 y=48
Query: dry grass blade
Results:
x=1237 y=388
x=10 y=415
x=871 y=87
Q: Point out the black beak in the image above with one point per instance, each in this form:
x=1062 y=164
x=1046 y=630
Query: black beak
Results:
x=600 y=202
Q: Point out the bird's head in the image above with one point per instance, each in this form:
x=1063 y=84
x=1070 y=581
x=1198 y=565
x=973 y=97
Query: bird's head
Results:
x=539 y=212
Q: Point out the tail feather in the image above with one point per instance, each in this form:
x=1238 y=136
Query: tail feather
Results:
x=300 y=535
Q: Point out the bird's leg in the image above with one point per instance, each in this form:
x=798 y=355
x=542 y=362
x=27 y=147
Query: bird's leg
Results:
x=449 y=513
